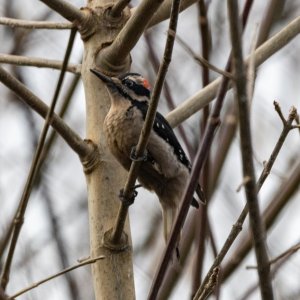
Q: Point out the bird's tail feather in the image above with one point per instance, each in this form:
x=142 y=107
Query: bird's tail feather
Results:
x=169 y=216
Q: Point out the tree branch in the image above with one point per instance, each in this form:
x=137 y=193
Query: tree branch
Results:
x=116 y=54
x=164 y=11
x=240 y=87
x=237 y=227
x=207 y=94
x=66 y=9
x=35 y=24
x=117 y=9
x=37 y=62
x=200 y=159
x=285 y=254
x=285 y=191
x=38 y=283
x=71 y=137
x=201 y=60
x=35 y=165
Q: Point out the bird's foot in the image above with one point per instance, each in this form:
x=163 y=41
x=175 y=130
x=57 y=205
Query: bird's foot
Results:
x=127 y=200
x=135 y=157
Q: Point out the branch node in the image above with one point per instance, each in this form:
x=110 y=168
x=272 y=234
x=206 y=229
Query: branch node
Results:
x=87 y=24
x=91 y=160
x=214 y=121
x=278 y=110
x=238 y=226
x=293 y=113
x=243 y=183
x=122 y=244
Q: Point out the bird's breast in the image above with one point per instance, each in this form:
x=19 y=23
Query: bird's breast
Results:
x=122 y=129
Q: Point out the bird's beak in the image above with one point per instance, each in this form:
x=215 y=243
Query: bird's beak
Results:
x=100 y=75
x=107 y=80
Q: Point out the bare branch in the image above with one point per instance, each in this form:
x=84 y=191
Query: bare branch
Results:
x=37 y=62
x=237 y=227
x=71 y=137
x=146 y=130
x=274 y=7
x=38 y=283
x=117 y=53
x=35 y=165
x=207 y=94
x=35 y=24
x=283 y=258
x=251 y=72
x=66 y=9
x=194 y=177
x=117 y=9
x=201 y=216
x=164 y=12
x=240 y=87
x=202 y=61
x=167 y=90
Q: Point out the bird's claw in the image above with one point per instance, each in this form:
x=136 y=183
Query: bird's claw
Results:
x=135 y=157
x=127 y=200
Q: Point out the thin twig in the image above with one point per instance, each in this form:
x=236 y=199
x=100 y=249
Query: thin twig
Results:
x=197 y=166
x=228 y=130
x=207 y=94
x=201 y=215
x=146 y=130
x=278 y=110
x=66 y=9
x=201 y=60
x=34 y=24
x=38 y=283
x=118 y=7
x=283 y=258
x=19 y=219
x=240 y=87
x=286 y=253
x=274 y=6
x=251 y=72
x=167 y=91
x=37 y=62
x=237 y=227
x=164 y=11
x=70 y=136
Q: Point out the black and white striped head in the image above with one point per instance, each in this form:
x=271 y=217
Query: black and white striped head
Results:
x=132 y=86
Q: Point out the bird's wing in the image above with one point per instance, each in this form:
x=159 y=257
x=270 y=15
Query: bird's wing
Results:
x=163 y=129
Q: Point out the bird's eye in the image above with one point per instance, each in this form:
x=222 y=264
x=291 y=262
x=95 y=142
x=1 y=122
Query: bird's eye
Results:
x=129 y=83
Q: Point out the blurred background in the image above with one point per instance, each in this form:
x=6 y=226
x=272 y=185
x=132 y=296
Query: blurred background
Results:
x=55 y=233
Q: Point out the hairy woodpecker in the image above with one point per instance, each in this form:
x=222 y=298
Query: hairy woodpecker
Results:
x=166 y=168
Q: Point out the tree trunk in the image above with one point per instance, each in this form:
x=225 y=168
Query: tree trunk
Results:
x=112 y=276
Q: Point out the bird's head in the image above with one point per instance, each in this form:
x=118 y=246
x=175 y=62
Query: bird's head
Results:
x=132 y=86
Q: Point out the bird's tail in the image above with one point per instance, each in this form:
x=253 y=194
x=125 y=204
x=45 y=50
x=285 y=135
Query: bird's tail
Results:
x=169 y=216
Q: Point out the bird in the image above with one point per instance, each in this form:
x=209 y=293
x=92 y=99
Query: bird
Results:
x=165 y=169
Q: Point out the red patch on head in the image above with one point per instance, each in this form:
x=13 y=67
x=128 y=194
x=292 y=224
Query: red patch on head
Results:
x=146 y=84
